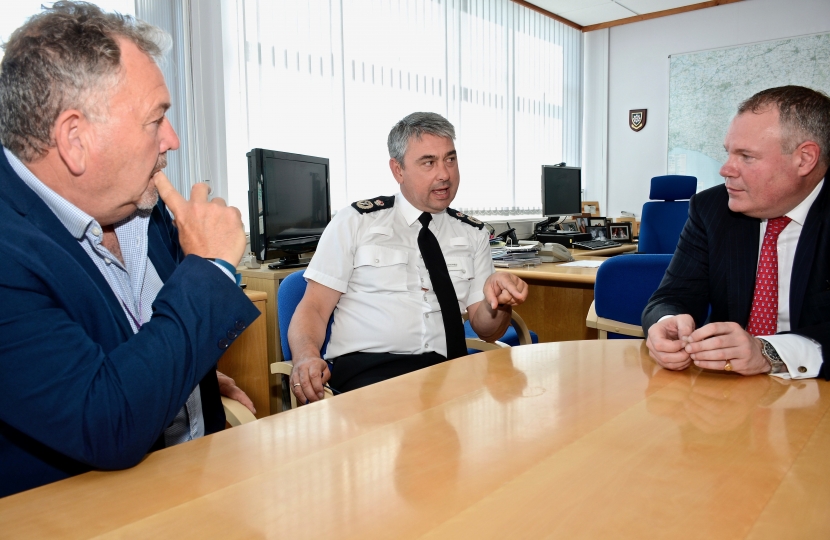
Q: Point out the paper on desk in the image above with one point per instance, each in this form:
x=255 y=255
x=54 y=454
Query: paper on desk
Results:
x=584 y=264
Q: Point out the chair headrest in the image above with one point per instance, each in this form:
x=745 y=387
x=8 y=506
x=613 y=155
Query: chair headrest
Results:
x=672 y=187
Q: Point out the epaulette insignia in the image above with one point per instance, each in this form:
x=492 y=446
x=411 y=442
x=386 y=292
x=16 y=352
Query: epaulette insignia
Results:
x=370 y=205
x=469 y=220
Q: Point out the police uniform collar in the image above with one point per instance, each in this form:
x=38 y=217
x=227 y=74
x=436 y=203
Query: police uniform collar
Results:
x=411 y=214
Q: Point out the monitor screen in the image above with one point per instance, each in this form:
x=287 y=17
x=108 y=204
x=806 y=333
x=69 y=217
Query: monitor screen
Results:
x=289 y=203
x=561 y=191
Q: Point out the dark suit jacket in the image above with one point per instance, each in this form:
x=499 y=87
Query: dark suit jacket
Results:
x=80 y=389
x=715 y=265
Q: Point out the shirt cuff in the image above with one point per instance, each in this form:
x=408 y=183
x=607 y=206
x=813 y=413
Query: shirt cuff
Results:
x=801 y=355
x=224 y=269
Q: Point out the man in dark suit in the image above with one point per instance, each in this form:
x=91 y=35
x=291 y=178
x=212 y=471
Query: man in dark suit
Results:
x=111 y=316
x=756 y=250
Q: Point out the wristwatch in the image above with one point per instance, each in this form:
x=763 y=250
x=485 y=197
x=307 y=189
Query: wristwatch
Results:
x=776 y=364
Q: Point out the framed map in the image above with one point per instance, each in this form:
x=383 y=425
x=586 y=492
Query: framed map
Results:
x=706 y=88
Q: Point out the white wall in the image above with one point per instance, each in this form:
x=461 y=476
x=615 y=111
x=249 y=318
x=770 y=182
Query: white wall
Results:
x=638 y=78
x=595 y=141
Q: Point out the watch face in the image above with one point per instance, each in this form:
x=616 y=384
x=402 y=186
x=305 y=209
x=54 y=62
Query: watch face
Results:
x=772 y=357
x=770 y=351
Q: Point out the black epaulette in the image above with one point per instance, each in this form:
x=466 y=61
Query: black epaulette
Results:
x=469 y=220
x=371 y=205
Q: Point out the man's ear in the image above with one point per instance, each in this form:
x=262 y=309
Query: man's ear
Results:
x=71 y=140
x=807 y=156
x=397 y=170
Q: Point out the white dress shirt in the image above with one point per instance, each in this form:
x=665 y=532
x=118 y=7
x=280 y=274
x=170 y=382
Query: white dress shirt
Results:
x=388 y=304
x=796 y=351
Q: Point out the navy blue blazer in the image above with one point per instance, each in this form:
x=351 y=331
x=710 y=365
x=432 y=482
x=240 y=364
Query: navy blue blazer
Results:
x=715 y=265
x=80 y=390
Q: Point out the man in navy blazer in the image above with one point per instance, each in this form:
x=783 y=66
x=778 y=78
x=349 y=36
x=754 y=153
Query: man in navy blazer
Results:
x=779 y=150
x=111 y=316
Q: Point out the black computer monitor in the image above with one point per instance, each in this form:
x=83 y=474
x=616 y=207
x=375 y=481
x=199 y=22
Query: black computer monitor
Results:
x=561 y=190
x=289 y=203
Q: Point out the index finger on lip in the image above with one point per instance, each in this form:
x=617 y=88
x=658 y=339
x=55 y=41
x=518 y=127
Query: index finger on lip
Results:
x=167 y=192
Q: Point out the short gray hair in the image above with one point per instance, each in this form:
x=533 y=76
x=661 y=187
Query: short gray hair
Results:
x=416 y=125
x=803 y=114
x=65 y=57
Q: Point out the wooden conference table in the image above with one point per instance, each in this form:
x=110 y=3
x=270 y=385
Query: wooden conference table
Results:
x=559 y=440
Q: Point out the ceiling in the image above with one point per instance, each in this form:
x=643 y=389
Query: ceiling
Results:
x=593 y=12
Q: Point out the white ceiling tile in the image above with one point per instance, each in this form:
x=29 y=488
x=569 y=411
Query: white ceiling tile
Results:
x=598 y=14
x=559 y=7
x=650 y=6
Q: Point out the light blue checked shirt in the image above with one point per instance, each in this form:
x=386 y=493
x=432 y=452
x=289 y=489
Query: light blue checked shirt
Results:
x=135 y=283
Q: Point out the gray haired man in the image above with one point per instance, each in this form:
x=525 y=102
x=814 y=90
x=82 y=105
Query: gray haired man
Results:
x=113 y=319
x=397 y=272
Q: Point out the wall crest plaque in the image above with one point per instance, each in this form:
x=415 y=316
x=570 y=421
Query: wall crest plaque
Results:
x=637 y=119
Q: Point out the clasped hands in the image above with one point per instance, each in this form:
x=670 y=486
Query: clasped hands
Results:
x=675 y=344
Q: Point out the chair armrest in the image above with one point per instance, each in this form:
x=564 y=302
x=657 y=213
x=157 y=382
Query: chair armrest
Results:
x=521 y=329
x=282 y=368
x=236 y=413
x=285 y=368
x=590 y=320
x=481 y=345
x=609 y=325
x=516 y=322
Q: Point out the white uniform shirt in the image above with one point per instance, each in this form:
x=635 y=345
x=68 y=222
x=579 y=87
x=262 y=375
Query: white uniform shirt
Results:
x=388 y=304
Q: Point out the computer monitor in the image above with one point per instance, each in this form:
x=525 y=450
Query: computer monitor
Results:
x=289 y=203
x=561 y=190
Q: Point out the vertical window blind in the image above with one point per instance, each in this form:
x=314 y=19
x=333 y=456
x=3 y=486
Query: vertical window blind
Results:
x=331 y=77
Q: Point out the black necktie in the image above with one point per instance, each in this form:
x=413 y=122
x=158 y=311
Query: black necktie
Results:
x=442 y=284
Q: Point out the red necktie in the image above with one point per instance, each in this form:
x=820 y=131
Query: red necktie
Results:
x=763 y=319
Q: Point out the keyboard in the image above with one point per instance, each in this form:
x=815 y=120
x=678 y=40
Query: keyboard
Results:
x=596 y=244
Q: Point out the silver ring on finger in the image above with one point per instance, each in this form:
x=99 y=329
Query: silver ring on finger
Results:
x=297 y=384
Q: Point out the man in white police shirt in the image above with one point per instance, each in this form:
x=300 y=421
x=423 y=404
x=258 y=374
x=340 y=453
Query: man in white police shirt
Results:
x=397 y=273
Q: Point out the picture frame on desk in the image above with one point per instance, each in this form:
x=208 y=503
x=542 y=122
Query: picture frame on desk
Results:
x=598 y=233
x=569 y=226
x=620 y=232
x=590 y=207
x=582 y=224
x=597 y=222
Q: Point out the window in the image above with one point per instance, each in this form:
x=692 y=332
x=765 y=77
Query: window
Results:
x=331 y=79
x=15 y=13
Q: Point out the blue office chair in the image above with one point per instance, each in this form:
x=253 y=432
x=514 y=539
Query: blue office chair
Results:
x=664 y=217
x=516 y=334
x=290 y=292
x=623 y=287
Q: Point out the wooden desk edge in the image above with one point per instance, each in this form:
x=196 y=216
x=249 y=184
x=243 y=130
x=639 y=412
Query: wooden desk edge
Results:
x=534 y=274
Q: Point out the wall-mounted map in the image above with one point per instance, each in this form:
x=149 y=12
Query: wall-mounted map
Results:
x=706 y=88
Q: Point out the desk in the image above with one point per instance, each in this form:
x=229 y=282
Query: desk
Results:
x=268 y=281
x=567 y=440
x=246 y=360
x=560 y=296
